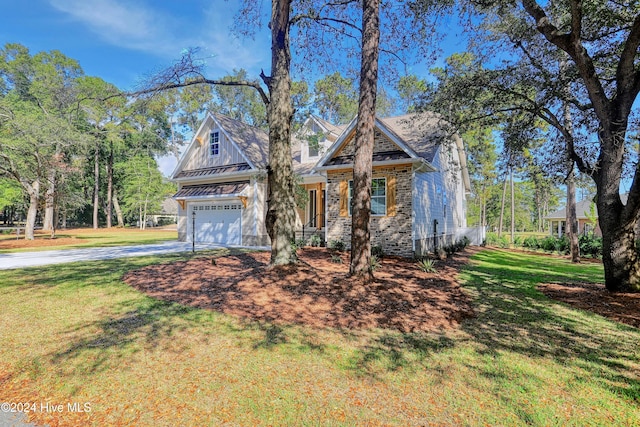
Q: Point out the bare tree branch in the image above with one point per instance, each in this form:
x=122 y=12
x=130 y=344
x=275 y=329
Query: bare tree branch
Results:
x=201 y=80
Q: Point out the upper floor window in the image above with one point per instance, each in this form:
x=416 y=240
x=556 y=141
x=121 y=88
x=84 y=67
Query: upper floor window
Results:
x=314 y=150
x=378 y=196
x=214 y=143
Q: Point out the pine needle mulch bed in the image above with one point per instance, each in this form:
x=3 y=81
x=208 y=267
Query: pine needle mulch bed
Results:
x=316 y=292
x=621 y=306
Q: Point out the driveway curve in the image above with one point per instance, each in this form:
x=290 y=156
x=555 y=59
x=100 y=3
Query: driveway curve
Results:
x=61 y=256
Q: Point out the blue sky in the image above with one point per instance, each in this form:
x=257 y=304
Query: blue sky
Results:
x=122 y=41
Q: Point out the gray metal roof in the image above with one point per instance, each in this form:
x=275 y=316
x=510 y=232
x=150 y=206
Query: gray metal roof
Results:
x=217 y=189
x=238 y=167
x=377 y=157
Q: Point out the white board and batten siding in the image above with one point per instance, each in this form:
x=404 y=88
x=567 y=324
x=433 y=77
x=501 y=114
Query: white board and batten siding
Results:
x=441 y=196
x=200 y=155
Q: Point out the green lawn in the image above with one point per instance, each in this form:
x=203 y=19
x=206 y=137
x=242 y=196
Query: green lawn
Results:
x=76 y=333
x=86 y=237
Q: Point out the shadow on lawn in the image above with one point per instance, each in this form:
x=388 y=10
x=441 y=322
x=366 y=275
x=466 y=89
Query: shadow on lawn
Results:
x=513 y=316
x=99 y=345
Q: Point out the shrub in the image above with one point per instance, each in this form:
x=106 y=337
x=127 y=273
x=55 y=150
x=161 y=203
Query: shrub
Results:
x=555 y=244
x=377 y=251
x=375 y=262
x=562 y=245
x=461 y=244
x=315 y=241
x=590 y=245
x=427 y=265
x=548 y=244
x=336 y=259
x=531 y=242
x=450 y=249
x=494 y=240
x=337 y=245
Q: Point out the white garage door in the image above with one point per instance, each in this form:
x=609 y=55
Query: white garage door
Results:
x=218 y=223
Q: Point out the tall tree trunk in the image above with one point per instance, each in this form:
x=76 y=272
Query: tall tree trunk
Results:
x=617 y=221
x=144 y=213
x=116 y=207
x=49 y=201
x=504 y=196
x=96 y=185
x=513 y=209
x=619 y=253
x=362 y=164
x=33 y=190
x=572 y=218
x=484 y=214
x=109 y=212
x=281 y=217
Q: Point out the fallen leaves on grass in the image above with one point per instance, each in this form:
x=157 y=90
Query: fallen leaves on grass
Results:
x=315 y=292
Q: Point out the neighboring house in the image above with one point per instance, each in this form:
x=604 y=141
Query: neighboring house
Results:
x=419 y=175
x=168 y=213
x=585 y=210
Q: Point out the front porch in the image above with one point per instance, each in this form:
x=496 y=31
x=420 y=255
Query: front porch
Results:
x=312 y=216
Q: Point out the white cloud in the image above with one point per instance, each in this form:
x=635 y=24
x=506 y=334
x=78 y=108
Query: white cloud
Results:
x=151 y=29
x=126 y=25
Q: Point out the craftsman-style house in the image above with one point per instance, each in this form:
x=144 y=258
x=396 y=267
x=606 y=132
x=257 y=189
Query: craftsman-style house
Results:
x=419 y=188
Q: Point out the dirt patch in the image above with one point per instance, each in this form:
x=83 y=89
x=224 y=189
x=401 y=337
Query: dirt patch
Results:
x=621 y=307
x=315 y=292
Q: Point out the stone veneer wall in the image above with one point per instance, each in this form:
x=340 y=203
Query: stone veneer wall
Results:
x=393 y=233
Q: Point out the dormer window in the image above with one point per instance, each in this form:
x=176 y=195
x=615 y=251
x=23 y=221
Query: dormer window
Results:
x=214 y=143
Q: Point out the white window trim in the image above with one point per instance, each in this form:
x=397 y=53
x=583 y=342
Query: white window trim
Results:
x=313 y=156
x=213 y=132
x=350 y=198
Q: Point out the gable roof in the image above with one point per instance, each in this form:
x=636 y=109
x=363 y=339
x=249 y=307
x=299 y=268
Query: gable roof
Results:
x=336 y=130
x=422 y=132
x=251 y=142
x=418 y=135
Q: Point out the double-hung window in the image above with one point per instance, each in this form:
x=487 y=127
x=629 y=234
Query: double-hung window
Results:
x=378 y=196
x=214 y=143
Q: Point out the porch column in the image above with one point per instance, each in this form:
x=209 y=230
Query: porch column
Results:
x=319 y=207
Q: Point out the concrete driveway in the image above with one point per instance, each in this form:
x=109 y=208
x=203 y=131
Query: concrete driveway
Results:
x=32 y=259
